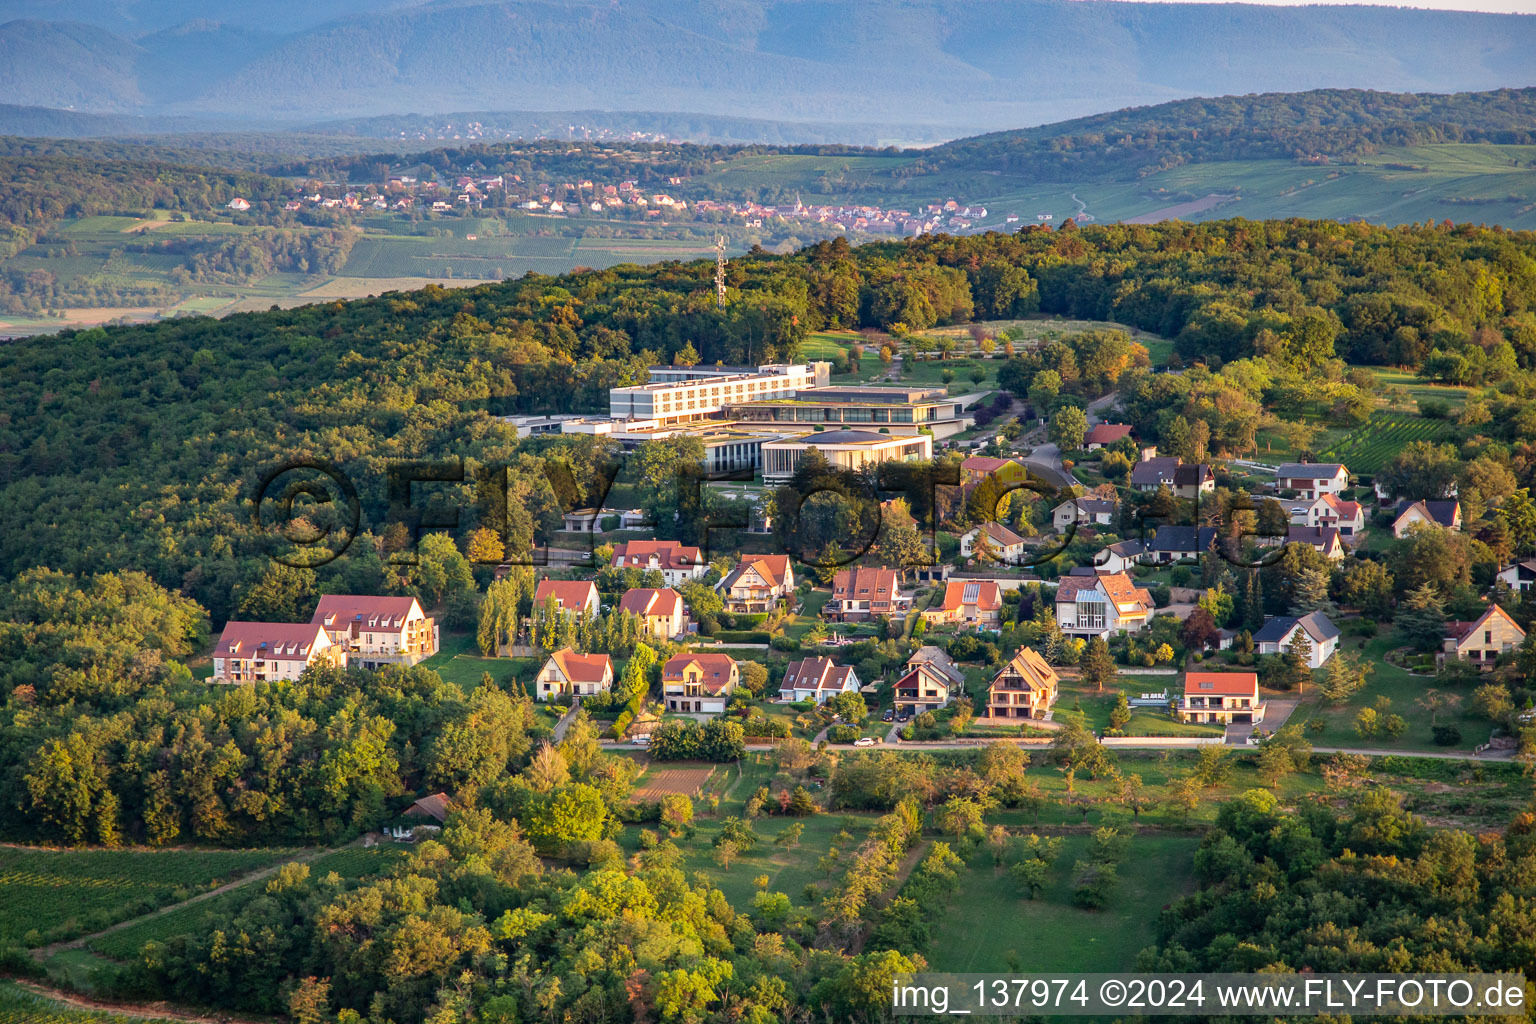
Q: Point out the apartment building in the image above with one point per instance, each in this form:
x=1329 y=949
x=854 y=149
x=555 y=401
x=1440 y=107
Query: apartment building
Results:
x=676 y=394
x=265 y=652
x=377 y=631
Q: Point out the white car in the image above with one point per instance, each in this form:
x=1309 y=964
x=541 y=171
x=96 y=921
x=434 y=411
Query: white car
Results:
x=864 y=741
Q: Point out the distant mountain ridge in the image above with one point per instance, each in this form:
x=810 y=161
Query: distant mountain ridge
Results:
x=909 y=62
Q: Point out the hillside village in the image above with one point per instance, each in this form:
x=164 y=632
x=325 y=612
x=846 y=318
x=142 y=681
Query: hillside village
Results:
x=1194 y=603
x=627 y=199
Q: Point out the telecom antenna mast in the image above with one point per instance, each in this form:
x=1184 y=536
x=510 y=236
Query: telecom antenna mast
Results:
x=720 y=271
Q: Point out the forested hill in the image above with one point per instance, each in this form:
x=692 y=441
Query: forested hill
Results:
x=955 y=63
x=1323 y=124
x=136 y=447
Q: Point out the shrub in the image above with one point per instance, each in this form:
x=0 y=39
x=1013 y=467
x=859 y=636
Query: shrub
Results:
x=1447 y=735
x=745 y=636
x=843 y=733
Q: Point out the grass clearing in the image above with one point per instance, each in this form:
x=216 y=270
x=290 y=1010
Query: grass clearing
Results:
x=1049 y=933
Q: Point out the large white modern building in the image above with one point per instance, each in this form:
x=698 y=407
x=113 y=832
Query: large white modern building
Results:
x=677 y=394
x=846 y=449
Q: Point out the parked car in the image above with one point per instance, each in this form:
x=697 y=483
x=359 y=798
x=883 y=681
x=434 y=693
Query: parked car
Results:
x=889 y=715
x=864 y=741
x=643 y=740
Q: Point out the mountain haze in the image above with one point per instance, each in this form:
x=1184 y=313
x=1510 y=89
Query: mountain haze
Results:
x=921 y=62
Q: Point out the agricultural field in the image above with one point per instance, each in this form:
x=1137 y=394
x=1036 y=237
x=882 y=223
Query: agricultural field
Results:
x=52 y=894
x=1371 y=447
x=19 y=1005
x=657 y=783
x=126 y=942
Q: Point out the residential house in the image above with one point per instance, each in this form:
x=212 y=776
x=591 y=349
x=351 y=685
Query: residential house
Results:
x=660 y=611
x=931 y=676
x=1519 y=576
x=1312 y=479
x=865 y=592
x=817 y=679
x=1324 y=539
x=1120 y=557
x=1002 y=544
x=1101 y=605
x=436 y=806
x=699 y=683
x=1328 y=510
x=1185 y=481
x=573 y=598
x=678 y=563
x=568 y=674
x=377 y=631
x=1101 y=435
x=978 y=467
x=1176 y=543
x=1024 y=688
x=1445 y=513
x=1084 y=511
x=1221 y=698
x=263 y=652
x=1277 y=635
x=1481 y=642
x=757 y=583
x=969 y=602
x=924 y=687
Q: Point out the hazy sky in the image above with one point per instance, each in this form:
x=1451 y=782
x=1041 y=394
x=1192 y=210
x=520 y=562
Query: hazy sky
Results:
x=1499 y=6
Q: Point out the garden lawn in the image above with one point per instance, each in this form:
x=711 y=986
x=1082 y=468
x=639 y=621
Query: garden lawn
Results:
x=1095 y=707
x=1404 y=690
x=1049 y=933
x=458 y=661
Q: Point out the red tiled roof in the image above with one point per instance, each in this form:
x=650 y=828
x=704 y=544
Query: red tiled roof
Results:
x=569 y=594
x=1107 y=433
x=1117 y=586
x=1226 y=684
x=583 y=668
x=864 y=583
x=983 y=594
x=636 y=554
x=286 y=640
x=772 y=568
x=983 y=464
x=649 y=601
x=716 y=669
x=336 y=610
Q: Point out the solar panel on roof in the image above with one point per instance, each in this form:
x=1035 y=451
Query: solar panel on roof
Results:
x=972 y=592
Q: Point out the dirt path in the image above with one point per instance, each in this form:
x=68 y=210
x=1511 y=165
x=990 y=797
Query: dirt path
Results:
x=139 y=1011
x=45 y=953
